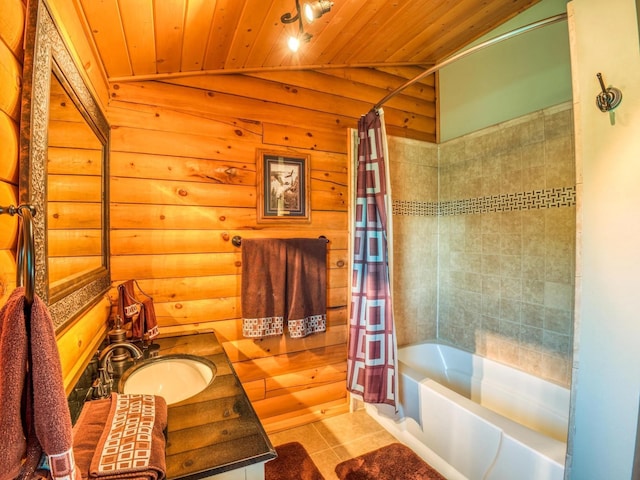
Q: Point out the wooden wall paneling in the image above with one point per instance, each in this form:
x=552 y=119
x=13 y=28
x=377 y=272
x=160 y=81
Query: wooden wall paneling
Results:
x=183 y=183
x=208 y=103
x=108 y=33
x=295 y=418
x=8 y=223
x=169 y=24
x=199 y=18
x=68 y=16
x=12 y=25
x=137 y=23
x=305 y=379
x=167 y=167
x=311 y=100
x=255 y=369
x=10 y=83
x=166 y=119
x=70 y=161
x=190 y=217
x=175 y=217
x=80 y=342
x=140 y=241
x=7 y=274
x=11 y=53
x=349 y=88
x=220 y=38
x=423 y=90
x=9 y=151
x=167 y=192
x=177 y=265
x=179 y=144
x=306 y=138
x=258 y=17
x=294 y=403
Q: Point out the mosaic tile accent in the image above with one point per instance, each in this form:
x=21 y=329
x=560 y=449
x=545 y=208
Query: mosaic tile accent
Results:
x=414 y=208
x=507 y=202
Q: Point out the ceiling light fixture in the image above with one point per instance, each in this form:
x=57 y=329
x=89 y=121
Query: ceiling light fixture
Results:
x=312 y=11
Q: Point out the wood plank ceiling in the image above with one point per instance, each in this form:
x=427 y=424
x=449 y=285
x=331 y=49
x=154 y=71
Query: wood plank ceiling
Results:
x=154 y=39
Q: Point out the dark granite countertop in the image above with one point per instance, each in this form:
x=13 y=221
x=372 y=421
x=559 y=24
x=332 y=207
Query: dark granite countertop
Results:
x=216 y=430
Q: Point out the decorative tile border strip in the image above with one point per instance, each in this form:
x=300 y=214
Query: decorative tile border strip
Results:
x=508 y=202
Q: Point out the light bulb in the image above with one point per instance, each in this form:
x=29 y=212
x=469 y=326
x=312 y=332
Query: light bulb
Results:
x=294 y=43
x=309 y=14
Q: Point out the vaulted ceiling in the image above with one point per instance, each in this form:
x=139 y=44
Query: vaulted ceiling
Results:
x=155 y=39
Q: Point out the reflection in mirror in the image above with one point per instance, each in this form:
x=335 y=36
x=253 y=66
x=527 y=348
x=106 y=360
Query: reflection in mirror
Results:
x=74 y=192
x=64 y=143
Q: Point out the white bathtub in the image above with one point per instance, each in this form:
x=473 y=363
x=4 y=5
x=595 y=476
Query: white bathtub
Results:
x=476 y=419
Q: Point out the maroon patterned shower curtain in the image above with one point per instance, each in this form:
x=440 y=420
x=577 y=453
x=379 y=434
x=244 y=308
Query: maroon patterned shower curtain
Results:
x=372 y=361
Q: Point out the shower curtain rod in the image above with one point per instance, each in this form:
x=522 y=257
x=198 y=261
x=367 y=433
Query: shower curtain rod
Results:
x=492 y=41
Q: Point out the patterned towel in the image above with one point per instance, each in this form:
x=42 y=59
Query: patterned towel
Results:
x=122 y=437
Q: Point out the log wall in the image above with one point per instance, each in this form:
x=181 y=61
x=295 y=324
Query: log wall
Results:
x=183 y=183
x=11 y=54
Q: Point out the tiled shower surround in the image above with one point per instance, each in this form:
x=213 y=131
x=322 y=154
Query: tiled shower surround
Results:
x=484 y=241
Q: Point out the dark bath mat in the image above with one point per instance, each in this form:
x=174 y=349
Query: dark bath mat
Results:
x=391 y=462
x=293 y=463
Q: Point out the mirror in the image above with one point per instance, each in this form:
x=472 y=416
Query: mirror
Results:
x=64 y=144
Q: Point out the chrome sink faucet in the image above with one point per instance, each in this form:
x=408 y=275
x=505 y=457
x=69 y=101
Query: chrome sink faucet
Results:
x=103 y=384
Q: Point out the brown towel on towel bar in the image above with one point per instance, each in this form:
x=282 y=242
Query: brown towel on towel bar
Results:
x=122 y=437
x=283 y=279
x=36 y=419
x=306 y=286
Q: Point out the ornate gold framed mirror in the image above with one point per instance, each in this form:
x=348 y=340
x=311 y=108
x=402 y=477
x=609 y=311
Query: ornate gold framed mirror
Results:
x=64 y=145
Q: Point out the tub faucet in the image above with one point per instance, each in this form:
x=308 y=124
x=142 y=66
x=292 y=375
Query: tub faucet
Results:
x=103 y=384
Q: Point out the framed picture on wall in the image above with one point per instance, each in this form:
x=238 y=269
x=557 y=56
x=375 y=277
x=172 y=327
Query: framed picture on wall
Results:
x=283 y=187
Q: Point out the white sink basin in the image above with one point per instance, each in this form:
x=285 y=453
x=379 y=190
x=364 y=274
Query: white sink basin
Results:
x=174 y=377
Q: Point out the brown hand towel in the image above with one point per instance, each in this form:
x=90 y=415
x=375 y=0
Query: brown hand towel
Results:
x=139 y=311
x=122 y=437
x=263 y=286
x=306 y=286
x=33 y=399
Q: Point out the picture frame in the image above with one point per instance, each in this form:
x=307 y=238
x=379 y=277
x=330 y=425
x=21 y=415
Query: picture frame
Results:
x=283 y=187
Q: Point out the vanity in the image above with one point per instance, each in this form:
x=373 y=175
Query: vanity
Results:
x=215 y=434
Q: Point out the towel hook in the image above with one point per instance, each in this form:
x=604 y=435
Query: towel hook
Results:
x=608 y=98
x=26 y=267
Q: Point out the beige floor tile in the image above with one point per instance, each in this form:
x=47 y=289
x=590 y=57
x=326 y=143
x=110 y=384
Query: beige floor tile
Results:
x=347 y=427
x=307 y=435
x=326 y=462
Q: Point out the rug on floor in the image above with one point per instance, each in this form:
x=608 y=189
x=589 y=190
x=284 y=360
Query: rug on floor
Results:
x=293 y=463
x=391 y=462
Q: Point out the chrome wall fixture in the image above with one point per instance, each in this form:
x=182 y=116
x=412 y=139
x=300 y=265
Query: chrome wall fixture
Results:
x=25 y=272
x=310 y=11
x=608 y=98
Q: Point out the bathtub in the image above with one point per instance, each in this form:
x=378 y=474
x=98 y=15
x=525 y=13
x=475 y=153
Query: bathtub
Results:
x=476 y=419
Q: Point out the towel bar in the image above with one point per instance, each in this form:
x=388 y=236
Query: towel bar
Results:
x=237 y=240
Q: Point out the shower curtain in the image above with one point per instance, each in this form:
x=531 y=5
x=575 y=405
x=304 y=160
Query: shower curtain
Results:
x=372 y=361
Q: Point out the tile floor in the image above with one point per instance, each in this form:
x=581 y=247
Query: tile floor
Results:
x=335 y=439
